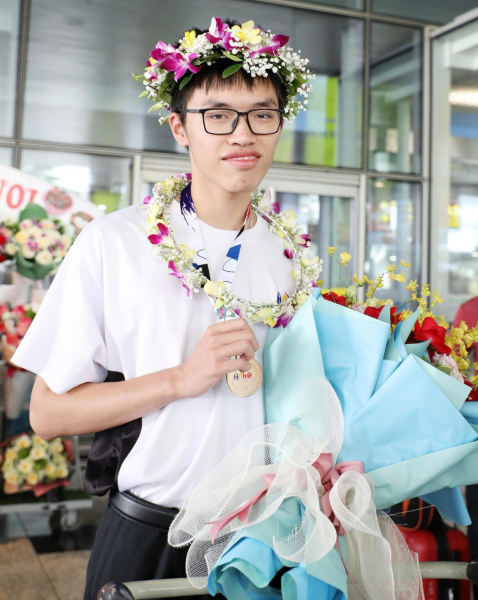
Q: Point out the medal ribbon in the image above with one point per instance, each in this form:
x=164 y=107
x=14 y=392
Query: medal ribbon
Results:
x=195 y=242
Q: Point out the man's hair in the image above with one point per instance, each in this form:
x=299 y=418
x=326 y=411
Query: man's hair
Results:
x=210 y=77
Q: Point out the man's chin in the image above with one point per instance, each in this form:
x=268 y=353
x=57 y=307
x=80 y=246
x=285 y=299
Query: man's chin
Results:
x=241 y=182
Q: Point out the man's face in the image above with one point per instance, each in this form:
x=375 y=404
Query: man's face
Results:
x=236 y=162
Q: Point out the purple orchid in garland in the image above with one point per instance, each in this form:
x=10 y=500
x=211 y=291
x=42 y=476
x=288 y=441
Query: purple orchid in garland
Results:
x=217 y=31
x=176 y=273
x=286 y=317
x=277 y=41
x=157 y=238
x=162 y=51
x=303 y=240
x=179 y=63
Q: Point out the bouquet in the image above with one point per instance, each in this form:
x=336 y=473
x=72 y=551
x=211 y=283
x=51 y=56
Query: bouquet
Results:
x=363 y=411
x=447 y=347
x=14 y=323
x=36 y=243
x=31 y=463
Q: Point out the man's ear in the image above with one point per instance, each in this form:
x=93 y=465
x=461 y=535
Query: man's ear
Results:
x=178 y=130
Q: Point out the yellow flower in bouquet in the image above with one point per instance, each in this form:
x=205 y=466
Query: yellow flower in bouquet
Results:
x=23 y=442
x=32 y=478
x=10 y=455
x=11 y=476
x=25 y=466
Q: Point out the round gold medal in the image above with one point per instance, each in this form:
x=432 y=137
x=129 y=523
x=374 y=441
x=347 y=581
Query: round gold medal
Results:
x=245 y=384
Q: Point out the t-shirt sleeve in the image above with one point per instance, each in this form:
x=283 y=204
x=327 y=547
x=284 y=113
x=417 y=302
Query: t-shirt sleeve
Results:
x=65 y=344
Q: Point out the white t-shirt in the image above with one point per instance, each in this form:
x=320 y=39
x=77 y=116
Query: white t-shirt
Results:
x=113 y=306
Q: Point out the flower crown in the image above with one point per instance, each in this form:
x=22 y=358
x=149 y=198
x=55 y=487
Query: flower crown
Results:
x=252 y=49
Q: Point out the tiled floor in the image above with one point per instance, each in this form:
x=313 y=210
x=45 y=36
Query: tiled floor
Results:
x=38 y=562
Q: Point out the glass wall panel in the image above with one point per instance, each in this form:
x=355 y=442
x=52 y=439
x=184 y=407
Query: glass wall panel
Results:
x=454 y=192
x=328 y=220
x=329 y=132
x=104 y=180
x=356 y=4
x=432 y=11
x=9 y=26
x=79 y=87
x=395 y=99
x=393 y=233
x=6 y=156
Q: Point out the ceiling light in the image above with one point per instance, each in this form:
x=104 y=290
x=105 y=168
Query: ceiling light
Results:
x=464 y=96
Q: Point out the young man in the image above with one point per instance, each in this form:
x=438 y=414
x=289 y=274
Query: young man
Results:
x=120 y=348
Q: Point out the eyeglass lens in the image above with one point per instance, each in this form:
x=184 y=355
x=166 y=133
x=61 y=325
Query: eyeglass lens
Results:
x=223 y=121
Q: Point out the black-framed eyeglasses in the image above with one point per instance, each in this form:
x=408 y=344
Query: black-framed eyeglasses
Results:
x=223 y=121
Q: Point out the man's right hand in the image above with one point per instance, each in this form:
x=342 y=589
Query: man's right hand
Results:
x=211 y=359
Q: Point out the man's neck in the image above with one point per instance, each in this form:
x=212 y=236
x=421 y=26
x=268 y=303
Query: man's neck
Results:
x=217 y=207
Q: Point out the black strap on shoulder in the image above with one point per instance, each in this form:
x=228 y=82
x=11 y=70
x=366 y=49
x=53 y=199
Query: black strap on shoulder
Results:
x=109 y=450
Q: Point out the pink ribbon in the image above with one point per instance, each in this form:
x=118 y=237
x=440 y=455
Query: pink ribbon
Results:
x=329 y=476
x=241 y=513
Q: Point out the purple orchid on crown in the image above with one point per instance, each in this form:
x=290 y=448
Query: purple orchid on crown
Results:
x=246 y=47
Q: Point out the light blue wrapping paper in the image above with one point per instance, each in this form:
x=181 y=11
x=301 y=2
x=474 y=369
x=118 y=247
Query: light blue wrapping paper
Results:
x=404 y=419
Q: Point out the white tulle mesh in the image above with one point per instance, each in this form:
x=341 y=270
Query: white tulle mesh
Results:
x=378 y=561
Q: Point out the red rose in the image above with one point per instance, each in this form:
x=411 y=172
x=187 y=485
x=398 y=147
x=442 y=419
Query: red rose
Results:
x=333 y=297
x=3 y=240
x=13 y=339
x=373 y=312
x=23 y=325
x=430 y=330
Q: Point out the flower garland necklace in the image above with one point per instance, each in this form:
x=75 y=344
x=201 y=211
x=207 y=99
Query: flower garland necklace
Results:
x=179 y=257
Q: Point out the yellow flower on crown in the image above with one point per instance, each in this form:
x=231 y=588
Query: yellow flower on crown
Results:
x=247 y=33
x=189 y=37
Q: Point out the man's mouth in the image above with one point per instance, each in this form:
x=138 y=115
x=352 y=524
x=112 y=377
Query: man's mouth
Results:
x=242 y=159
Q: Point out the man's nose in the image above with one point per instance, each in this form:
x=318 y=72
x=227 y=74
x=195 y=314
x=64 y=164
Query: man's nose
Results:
x=242 y=131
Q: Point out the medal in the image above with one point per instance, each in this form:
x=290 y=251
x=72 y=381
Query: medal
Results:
x=240 y=384
x=245 y=384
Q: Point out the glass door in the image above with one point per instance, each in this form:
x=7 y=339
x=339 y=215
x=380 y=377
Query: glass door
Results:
x=454 y=162
x=326 y=205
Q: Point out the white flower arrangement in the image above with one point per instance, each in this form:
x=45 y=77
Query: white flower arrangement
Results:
x=179 y=258
x=256 y=51
x=29 y=460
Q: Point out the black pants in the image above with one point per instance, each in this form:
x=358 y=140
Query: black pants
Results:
x=126 y=550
